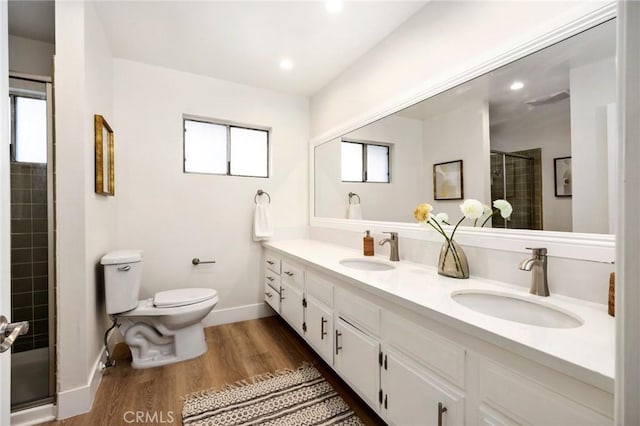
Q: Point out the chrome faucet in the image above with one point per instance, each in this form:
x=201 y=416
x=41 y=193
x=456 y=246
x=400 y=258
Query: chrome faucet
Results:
x=393 y=242
x=538 y=267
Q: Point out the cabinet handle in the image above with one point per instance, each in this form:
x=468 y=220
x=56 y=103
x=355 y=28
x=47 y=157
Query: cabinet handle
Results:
x=270 y=278
x=322 y=331
x=441 y=410
x=338 y=347
x=289 y=273
x=270 y=262
x=385 y=402
x=268 y=294
x=281 y=294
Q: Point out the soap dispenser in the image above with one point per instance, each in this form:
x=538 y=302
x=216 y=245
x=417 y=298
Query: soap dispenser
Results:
x=367 y=244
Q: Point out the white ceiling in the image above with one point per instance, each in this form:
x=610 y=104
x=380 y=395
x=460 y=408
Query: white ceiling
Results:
x=244 y=41
x=32 y=19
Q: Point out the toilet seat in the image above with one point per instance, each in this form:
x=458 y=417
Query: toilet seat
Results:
x=182 y=297
x=176 y=302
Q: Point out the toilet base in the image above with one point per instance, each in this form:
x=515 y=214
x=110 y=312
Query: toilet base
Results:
x=149 y=348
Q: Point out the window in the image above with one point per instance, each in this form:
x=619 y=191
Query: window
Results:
x=225 y=149
x=365 y=162
x=29 y=135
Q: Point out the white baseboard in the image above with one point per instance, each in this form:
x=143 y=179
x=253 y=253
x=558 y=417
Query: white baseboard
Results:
x=238 y=313
x=79 y=400
x=34 y=416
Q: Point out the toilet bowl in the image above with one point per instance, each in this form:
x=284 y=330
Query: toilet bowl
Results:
x=163 y=329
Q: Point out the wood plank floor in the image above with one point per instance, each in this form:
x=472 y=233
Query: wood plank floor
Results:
x=236 y=351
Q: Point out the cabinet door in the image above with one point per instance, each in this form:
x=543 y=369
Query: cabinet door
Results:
x=319 y=333
x=356 y=359
x=272 y=297
x=291 y=305
x=412 y=396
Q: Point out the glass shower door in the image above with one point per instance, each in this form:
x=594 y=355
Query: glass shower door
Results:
x=31 y=242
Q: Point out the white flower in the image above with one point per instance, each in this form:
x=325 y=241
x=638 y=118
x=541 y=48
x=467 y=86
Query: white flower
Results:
x=504 y=206
x=472 y=209
x=442 y=218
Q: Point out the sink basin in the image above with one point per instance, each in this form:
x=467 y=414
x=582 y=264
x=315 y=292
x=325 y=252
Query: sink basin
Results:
x=514 y=308
x=366 y=264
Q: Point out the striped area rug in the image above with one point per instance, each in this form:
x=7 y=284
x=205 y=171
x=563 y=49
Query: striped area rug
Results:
x=300 y=397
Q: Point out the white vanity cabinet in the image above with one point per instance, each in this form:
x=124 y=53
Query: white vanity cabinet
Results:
x=525 y=396
x=422 y=375
x=356 y=360
x=291 y=295
x=272 y=266
x=411 y=368
x=318 y=315
x=412 y=395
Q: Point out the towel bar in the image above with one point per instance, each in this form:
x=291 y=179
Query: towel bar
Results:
x=197 y=261
x=259 y=194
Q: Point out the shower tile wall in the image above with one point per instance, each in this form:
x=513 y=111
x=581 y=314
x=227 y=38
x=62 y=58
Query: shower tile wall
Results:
x=29 y=253
x=524 y=188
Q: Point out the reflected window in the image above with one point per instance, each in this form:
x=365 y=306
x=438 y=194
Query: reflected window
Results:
x=29 y=138
x=224 y=149
x=365 y=162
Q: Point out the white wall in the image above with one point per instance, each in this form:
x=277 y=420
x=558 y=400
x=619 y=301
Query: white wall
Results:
x=174 y=217
x=85 y=222
x=461 y=134
x=388 y=202
x=30 y=56
x=547 y=127
x=589 y=144
x=442 y=39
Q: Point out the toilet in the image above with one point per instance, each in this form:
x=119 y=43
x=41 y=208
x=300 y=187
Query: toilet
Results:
x=161 y=330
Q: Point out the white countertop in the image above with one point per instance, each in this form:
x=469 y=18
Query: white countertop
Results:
x=587 y=353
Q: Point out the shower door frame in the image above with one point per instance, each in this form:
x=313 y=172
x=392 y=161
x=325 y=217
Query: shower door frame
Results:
x=504 y=182
x=51 y=244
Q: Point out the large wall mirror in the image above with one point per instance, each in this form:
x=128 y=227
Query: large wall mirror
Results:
x=539 y=132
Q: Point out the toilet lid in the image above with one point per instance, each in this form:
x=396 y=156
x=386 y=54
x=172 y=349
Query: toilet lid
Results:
x=182 y=297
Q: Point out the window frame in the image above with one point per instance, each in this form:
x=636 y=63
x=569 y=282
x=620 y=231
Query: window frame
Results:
x=13 y=112
x=365 y=162
x=228 y=125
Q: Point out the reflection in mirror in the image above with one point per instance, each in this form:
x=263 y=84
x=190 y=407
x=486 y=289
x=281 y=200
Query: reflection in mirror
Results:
x=513 y=128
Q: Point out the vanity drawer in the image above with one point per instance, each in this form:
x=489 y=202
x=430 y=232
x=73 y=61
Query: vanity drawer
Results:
x=272 y=279
x=320 y=288
x=272 y=262
x=293 y=273
x=429 y=349
x=357 y=310
x=272 y=297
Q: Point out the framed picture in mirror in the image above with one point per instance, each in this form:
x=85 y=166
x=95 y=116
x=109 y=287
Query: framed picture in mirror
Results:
x=562 y=176
x=105 y=181
x=447 y=181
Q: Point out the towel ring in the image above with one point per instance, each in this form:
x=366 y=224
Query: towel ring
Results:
x=259 y=194
x=352 y=195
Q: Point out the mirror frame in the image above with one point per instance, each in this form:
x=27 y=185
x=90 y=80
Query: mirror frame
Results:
x=571 y=245
x=104 y=159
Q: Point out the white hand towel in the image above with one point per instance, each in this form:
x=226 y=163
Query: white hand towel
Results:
x=354 y=212
x=262 y=228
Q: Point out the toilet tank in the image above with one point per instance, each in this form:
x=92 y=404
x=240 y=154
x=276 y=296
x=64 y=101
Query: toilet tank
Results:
x=122 y=275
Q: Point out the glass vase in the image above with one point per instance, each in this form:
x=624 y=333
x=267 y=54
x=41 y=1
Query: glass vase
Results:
x=452 y=261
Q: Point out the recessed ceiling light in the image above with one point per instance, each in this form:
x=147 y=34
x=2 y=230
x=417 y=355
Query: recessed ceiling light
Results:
x=333 y=6
x=286 y=64
x=516 y=85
